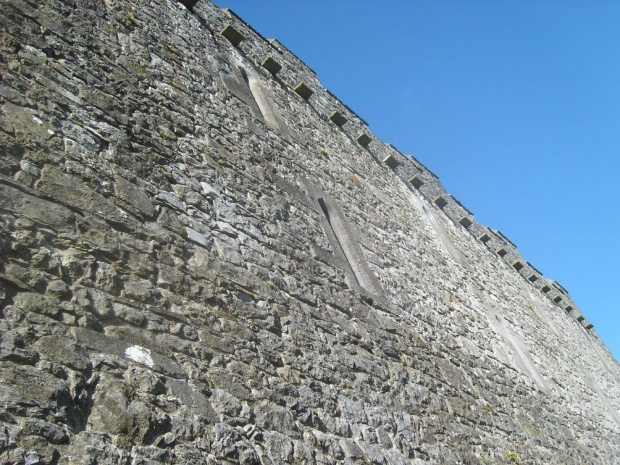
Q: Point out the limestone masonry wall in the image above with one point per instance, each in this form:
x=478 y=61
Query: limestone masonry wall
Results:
x=208 y=258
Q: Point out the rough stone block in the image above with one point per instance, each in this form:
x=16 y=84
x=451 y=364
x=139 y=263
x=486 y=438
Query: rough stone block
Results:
x=271 y=65
x=338 y=118
x=135 y=196
x=198 y=238
x=416 y=182
x=234 y=36
x=304 y=91
x=78 y=195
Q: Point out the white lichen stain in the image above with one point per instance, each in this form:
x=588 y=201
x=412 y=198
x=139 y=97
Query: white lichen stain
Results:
x=140 y=355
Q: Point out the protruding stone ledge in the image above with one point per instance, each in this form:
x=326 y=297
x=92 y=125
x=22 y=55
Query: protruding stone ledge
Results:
x=189 y=4
x=338 y=118
x=233 y=36
x=466 y=222
x=440 y=201
x=416 y=181
x=391 y=161
x=363 y=139
x=304 y=91
x=499 y=234
x=271 y=65
x=559 y=287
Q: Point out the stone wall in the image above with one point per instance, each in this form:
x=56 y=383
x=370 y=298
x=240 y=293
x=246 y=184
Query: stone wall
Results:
x=204 y=261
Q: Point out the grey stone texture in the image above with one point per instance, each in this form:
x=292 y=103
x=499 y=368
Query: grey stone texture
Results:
x=198 y=266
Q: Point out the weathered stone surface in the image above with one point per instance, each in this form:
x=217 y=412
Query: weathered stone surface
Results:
x=199 y=266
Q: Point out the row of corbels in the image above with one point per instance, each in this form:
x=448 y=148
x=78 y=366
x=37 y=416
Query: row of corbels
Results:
x=302 y=89
x=273 y=66
x=502 y=246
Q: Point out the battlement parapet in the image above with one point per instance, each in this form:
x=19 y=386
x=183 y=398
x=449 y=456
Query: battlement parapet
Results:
x=300 y=79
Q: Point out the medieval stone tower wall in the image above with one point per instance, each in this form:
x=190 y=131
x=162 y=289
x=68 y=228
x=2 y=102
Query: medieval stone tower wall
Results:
x=208 y=258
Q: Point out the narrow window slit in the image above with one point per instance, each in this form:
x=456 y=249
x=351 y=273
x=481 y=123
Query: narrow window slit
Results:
x=347 y=246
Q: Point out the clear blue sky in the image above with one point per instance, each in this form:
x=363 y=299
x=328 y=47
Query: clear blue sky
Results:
x=514 y=105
